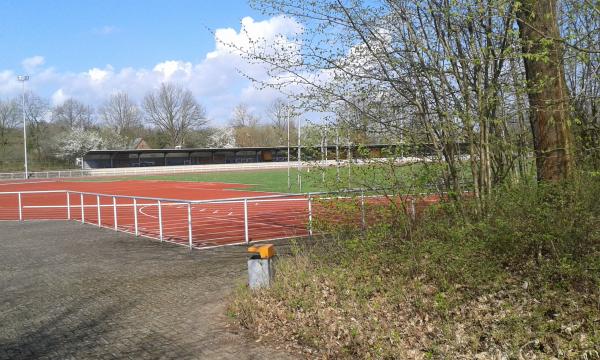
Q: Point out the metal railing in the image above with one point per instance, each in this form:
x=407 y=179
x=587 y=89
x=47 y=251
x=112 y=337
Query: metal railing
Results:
x=152 y=170
x=202 y=224
x=196 y=224
x=178 y=169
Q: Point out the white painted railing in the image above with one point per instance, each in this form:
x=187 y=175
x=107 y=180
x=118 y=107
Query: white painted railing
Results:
x=194 y=223
x=179 y=169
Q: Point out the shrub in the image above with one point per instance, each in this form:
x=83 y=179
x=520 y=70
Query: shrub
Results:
x=520 y=279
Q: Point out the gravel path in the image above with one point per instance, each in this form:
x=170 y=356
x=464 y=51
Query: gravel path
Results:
x=72 y=291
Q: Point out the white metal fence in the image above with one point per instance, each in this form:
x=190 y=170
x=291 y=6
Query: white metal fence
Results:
x=196 y=224
x=152 y=170
x=201 y=224
x=179 y=169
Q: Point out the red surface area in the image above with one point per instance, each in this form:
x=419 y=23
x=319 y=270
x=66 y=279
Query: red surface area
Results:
x=212 y=224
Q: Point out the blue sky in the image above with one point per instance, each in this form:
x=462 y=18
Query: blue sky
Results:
x=88 y=49
x=78 y=35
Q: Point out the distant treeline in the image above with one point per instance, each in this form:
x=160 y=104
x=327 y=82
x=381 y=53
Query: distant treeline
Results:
x=166 y=118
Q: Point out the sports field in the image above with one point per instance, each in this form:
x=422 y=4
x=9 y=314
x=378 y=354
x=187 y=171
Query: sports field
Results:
x=273 y=181
x=196 y=210
x=410 y=177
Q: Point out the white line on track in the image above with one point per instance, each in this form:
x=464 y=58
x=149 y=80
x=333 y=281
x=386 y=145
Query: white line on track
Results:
x=214 y=218
x=79 y=206
x=27 y=182
x=141 y=211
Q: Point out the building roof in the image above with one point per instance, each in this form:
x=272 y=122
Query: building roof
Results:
x=236 y=149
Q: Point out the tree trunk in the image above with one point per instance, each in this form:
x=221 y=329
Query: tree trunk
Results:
x=547 y=90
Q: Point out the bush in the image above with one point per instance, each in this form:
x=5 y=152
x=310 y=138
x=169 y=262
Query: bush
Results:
x=521 y=278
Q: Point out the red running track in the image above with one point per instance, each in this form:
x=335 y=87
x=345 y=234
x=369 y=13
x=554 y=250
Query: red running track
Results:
x=212 y=224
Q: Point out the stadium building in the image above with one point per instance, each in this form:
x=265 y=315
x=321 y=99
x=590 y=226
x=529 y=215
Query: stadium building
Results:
x=142 y=157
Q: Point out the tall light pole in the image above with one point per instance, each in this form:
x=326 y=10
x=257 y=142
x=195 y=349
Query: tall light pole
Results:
x=288 y=149
x=349 y=158
x=337 y=151
x=22 y=79
x=299 y=158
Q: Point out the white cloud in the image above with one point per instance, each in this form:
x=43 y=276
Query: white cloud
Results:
x=168 y=68
x=105 y=30
x=266 y=34
x=98 y=75
x=215 y=80
x=59 y=97
x=31 y=63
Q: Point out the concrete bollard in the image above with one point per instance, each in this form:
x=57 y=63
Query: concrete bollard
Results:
x=261 y=271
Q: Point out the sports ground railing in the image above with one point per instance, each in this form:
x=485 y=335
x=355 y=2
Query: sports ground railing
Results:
x=196 y=224
x=178 y=169
x=151 y=170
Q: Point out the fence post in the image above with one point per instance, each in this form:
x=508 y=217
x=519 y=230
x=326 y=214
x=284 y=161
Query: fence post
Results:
x=98 y=205
x=135 y=219
x=413 y=210
x=160 y=225
x=190 y=225
x=68 y=205
x=115 y=212
x=246 y=237
x=310 y=229
x=362 y=209
x=82 y=208
x=20 y=209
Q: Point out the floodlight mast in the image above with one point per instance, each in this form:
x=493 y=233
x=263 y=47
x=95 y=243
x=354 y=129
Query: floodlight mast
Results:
x=288 y=149
x=22 y=79
x=299 y=158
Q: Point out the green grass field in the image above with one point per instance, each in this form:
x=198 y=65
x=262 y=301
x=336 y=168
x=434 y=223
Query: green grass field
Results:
x=258 y=180
x=407 y=177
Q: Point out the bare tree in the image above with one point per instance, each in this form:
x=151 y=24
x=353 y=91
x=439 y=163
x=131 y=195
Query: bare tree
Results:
x=174 y=111
x=122 y=116
x=246 y=127
x=73 y=114
x=280 y=112
x=243 y=117
x=9 y=119
x=423 y=71
x=36 y=115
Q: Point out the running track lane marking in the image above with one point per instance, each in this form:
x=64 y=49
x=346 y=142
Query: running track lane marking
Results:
x=156 y=217
x=26 y=182
x=218 y=219
x=85 y=206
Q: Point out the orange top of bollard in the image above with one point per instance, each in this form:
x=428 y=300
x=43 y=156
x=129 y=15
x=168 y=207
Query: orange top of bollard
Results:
x=266 y=251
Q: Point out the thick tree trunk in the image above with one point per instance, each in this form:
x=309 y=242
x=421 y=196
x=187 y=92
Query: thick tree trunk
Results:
x=547 y=90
